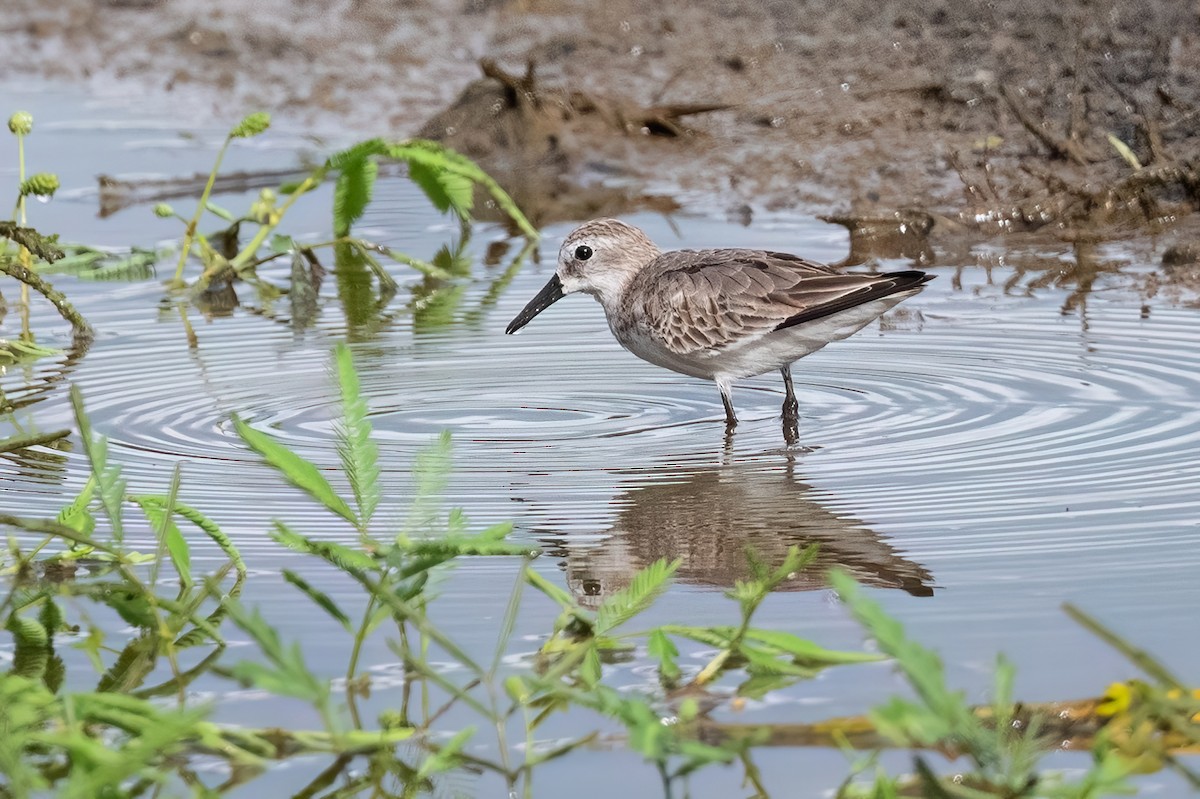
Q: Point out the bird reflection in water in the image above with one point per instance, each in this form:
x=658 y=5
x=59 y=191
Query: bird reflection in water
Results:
x=709 y=519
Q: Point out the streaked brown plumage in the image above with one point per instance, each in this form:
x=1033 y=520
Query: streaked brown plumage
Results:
x=717 y=314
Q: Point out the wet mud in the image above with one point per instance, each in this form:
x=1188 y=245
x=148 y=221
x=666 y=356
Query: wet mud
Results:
x=1078 y=118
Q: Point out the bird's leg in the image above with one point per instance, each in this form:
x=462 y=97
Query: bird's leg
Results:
x=791 y=409
x=730 y=416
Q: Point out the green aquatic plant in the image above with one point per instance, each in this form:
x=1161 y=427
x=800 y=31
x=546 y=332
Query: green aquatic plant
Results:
x=1005 y=742
x=136 y=728
x=32 y=249
x=448 y=179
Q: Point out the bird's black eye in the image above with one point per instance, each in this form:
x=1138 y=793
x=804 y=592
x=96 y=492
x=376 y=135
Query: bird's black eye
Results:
x=583 y=252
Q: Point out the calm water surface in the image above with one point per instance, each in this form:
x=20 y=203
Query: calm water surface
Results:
x=978 y=457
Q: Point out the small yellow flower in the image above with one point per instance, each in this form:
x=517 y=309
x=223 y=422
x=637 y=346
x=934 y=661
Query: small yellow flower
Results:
x=1117 y=699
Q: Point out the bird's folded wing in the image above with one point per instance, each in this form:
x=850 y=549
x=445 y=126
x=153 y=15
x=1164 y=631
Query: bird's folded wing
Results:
x=709 y=299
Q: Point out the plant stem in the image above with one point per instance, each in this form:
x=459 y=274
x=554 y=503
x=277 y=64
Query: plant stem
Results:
x=247 y=253
x=190 y=231
x=28 y=278
x=26 y=260
x=352 y=667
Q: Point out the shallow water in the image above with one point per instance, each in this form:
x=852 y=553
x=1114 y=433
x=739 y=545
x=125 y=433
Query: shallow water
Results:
x=979 y=457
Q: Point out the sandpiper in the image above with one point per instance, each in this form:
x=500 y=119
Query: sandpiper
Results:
x=721 y=315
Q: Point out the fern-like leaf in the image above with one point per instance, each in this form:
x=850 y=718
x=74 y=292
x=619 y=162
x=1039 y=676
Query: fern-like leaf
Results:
x=156 y=510
x=922 y=667
x=347 y=559
x=359 y=454
x=108 y=478
x=299 y=472
x=76 y=515
x=318 y=598
x=352 y=192
x=437 y=156
x=32 y=650
x=431 y=470
x=448 y=191
x=642 y=590
x=210 y=528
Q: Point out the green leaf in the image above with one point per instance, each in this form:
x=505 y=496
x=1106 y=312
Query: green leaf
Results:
x=155 y=509
x=431 y=471
x=76 y=515
x=661 y=647
x=423 y=267
x=340 y=555
x=642 y=590
x=289 y=675
x=921 y=667
x=760 y=684
x=446 y=758
x=509 y=621
x=107 y=478
x=765 y=661
x=51 y=616
x=213 y=531
x=32 y=650
x=446 y=190
x=352 y=192
x=130 y=604
x=805 y=652
x=717 y=637
x=436 y=155
x=318 y=598
x=132 y=665
x=299 y=472
x=590 y=670
x=357 y=152
x=359 y=454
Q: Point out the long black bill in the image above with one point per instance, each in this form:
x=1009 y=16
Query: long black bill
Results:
x=551 y=293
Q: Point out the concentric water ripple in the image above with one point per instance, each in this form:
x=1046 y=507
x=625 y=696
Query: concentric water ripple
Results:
x=981 y=447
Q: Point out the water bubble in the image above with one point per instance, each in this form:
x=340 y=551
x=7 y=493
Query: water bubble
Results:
x=845 y=87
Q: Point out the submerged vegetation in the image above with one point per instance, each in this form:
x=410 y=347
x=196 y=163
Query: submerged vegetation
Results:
x=123 y=615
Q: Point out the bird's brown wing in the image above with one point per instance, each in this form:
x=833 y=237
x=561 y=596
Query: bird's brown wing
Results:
x=708 y=299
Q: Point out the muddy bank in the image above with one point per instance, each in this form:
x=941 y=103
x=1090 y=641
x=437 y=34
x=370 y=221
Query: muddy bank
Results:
x=999 y=113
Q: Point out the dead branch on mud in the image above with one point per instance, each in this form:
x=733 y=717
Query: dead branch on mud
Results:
x=1059 y=146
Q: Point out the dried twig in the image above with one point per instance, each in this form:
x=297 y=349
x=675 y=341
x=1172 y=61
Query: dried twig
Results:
x=1059 y=146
